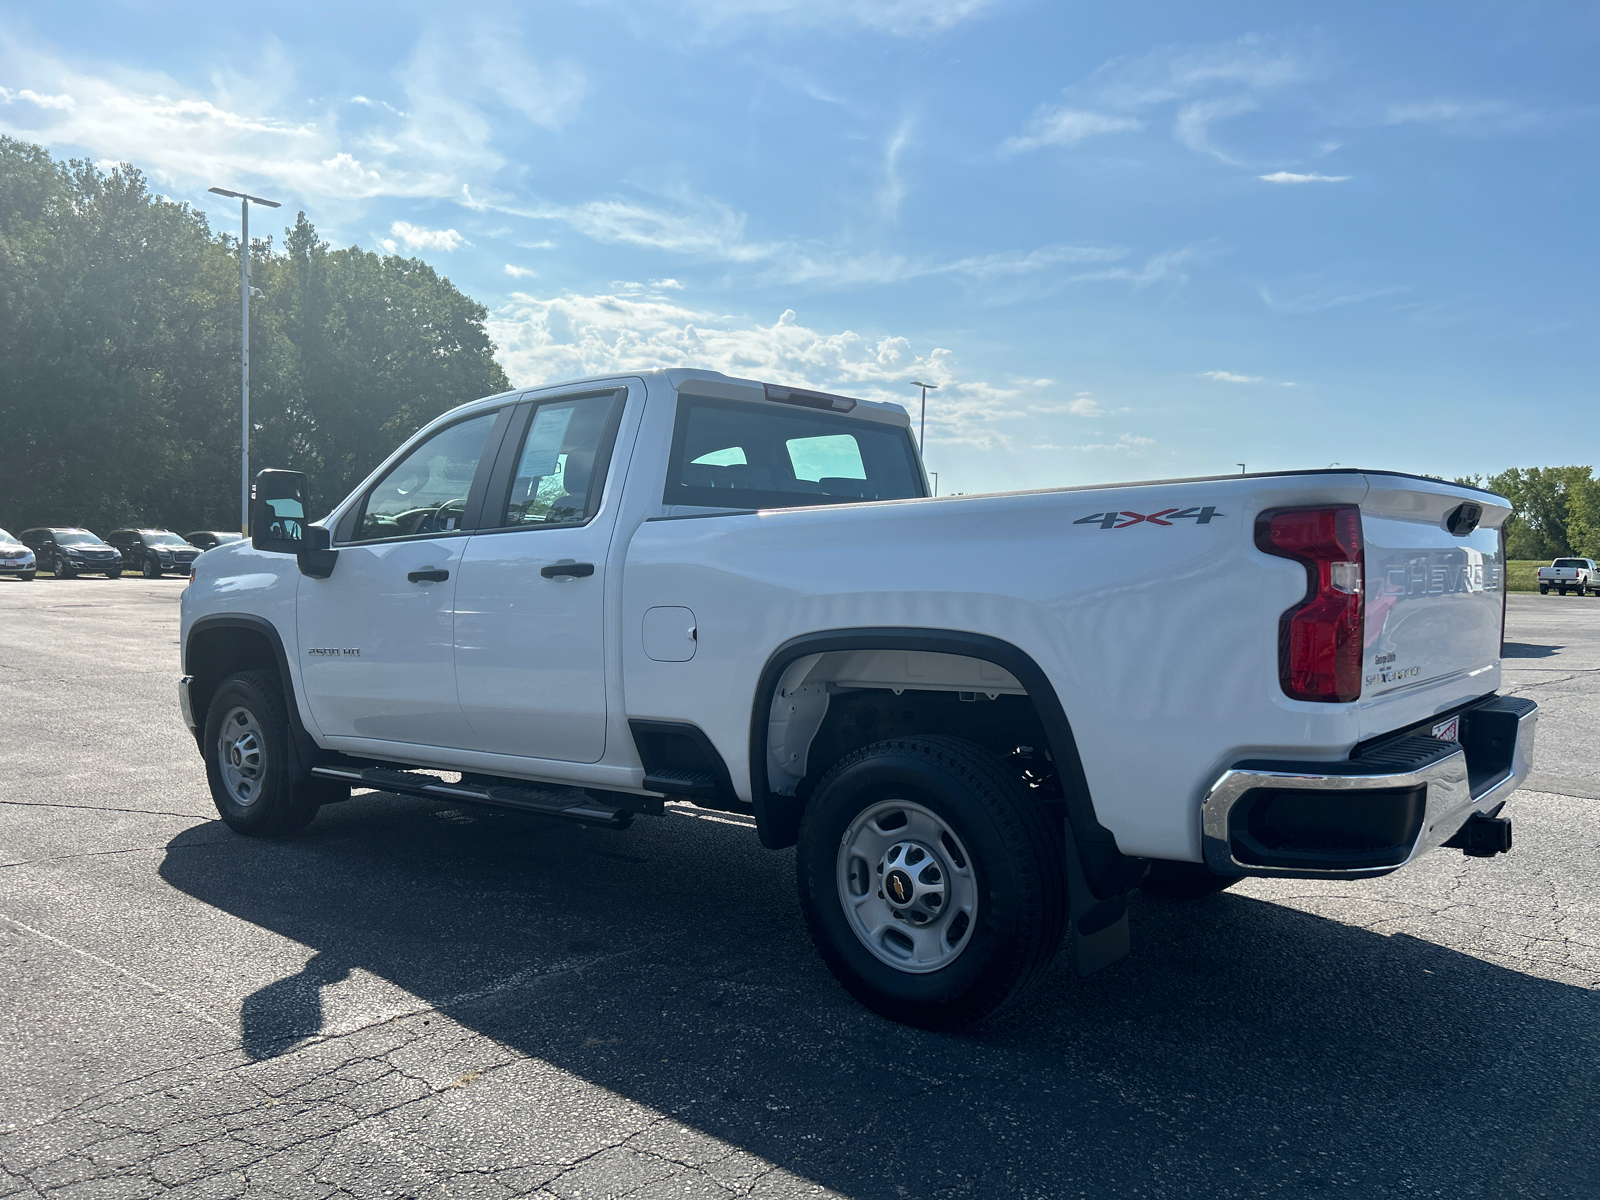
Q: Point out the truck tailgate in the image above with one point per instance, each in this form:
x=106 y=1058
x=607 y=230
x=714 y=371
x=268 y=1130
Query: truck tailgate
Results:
x=1434 y=601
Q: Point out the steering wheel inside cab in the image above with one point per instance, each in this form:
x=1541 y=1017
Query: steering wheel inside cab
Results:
x=443 y=519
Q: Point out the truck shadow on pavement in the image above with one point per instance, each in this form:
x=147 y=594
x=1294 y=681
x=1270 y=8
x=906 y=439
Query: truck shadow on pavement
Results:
x=1529 y=650
x=1243 y=1048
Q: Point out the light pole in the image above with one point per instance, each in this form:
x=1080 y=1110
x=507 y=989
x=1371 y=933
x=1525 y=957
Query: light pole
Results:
x=922 y=429
x=245 y=201
x=1240 y=466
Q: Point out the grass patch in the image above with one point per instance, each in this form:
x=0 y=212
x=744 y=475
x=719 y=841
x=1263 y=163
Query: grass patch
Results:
x=1522 y=574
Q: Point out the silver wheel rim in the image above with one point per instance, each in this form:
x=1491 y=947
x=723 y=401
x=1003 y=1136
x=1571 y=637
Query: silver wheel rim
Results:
x=907 y=886
x=242 y=756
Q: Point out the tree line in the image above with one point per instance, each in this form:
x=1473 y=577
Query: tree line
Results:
x=1555 y=510
x=119 y=353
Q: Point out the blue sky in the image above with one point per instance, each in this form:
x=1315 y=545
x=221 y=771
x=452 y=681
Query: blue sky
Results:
x=1127 y=241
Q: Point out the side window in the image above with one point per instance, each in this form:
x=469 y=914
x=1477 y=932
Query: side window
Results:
x=561 y=464
x=732 y=454
x=426 y=492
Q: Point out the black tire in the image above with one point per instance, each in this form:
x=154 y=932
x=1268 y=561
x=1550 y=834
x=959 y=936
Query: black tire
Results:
x=29 y=576
x=150 y=568
x=1184 y=880
x=63 y=571
x=114 y=574
x=1543 y=590
x=1016 y=850
x=1562 y=590
x=282 y=799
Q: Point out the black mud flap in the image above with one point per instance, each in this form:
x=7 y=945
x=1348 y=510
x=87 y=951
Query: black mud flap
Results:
x=1097 y=929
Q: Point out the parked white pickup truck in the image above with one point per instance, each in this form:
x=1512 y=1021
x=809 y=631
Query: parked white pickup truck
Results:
x=1578 y=574
x=984 y=720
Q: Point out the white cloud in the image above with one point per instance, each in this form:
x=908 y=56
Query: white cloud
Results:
x=1110 y=99
x=1126 y=443
x=1320 y=299
x=1230 y=377
x=1193 y=126
x=1171 y=73
x=1065 y=127
x=901 y=18
x=543 y=338
x=669 y=284
x=1292 y=177
x=517 y=272
x=1471 y=117
x=7 y=96
x=416 y=237
x=893 y=189
x=1081 y=405
x=1164 y=267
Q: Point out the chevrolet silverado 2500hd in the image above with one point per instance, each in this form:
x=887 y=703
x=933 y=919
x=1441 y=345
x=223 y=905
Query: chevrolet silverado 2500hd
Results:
x=983 y=720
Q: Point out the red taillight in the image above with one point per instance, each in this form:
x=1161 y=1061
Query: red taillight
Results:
x=1320 y=639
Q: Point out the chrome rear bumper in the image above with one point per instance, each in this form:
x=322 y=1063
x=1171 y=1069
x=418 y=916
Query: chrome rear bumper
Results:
x=1261 y=817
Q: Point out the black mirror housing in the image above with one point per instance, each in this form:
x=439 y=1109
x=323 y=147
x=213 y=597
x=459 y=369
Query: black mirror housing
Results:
x=278 y=512
x=278 y=522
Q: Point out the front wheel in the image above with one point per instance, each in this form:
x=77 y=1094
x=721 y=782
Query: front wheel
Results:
x=150 y=569
x=254 y=782
x=63 y=571
x=115 y=573
x=29 y=576
x=933 y=886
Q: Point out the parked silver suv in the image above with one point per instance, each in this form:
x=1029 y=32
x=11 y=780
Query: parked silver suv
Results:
x=16 y=560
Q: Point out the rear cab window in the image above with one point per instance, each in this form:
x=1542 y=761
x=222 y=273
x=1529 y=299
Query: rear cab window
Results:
x=746 y=454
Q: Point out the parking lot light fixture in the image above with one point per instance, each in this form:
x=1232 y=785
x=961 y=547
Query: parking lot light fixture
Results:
x=245 y=201
x=922 y=428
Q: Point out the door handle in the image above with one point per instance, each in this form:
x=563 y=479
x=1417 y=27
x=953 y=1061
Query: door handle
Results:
x=572 y=569
x=428 y=575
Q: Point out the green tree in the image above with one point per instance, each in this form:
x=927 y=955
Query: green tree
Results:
x=119 y=353
x=1553 y=510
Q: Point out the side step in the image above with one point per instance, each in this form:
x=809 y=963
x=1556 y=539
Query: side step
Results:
x=568 y=803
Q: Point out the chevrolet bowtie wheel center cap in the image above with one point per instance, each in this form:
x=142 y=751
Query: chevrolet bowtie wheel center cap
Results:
x=913 y=882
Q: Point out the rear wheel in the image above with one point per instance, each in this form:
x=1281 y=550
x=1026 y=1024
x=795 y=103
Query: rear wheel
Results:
x=249 y=765
x=1184 y=880
x=933 y=886
x=1544 y=590
x=1562 y=589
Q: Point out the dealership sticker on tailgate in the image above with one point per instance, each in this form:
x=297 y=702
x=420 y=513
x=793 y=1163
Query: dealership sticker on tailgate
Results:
x=1448 y=731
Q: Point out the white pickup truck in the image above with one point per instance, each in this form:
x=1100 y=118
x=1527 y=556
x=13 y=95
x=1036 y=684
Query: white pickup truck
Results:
x=1578 y=574
x=983 y=720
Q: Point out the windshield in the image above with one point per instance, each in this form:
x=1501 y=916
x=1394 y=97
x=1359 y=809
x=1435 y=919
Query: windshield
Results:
x=228 y=537
x=7 y=540
x=77 y=537
x=163 y=539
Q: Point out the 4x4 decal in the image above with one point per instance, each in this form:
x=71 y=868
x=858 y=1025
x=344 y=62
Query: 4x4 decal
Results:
x=1124 y=519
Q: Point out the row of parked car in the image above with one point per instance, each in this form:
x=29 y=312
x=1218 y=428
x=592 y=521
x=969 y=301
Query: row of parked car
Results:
x=66 y=553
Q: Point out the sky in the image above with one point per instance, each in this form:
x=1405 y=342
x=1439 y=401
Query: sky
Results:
x=1131 y=241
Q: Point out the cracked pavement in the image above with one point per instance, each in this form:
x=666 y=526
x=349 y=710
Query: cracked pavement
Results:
x=416 y=1000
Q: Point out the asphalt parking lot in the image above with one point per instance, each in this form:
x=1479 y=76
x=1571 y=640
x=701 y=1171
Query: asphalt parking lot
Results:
x=415 y=1000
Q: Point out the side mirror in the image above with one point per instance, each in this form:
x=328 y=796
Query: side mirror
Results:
x=278 y=523
x=278 y=512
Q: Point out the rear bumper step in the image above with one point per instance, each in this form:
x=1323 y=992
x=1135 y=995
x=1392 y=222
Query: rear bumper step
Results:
x=1377 y=811
x=570 y=804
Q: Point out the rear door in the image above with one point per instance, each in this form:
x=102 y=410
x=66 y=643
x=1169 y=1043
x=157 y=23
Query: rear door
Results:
x=375 y=637
x=530 y=609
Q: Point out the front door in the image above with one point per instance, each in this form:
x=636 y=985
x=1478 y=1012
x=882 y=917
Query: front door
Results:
x=530 y=608
x=376 y=646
